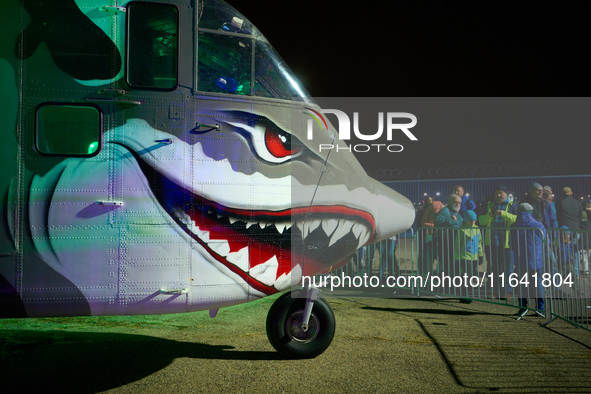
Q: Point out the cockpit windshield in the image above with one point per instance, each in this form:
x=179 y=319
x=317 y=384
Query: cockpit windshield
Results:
x=235 y=58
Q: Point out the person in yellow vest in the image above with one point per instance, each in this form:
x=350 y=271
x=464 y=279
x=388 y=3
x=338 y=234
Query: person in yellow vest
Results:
x=501 y=213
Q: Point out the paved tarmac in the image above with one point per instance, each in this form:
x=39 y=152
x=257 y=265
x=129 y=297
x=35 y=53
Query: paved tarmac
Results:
x=381 y=345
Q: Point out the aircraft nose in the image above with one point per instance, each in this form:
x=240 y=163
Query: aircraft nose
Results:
x=394 y=212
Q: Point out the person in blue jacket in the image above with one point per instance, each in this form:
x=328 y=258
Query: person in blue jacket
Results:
x=527 y=246
x=566 y=250
x=467 y=203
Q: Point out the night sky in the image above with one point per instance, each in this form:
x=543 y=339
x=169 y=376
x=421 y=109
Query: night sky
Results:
x=441 y=49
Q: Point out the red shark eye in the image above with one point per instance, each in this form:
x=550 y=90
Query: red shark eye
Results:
x=279 y=143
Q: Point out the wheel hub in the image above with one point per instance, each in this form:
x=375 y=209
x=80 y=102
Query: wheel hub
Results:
x=300 y=332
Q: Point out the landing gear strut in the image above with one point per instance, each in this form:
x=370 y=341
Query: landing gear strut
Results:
x=301 y=327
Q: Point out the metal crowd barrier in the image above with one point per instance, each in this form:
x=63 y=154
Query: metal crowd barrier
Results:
x=569 y=258
x=429 y=256
x=394 y=256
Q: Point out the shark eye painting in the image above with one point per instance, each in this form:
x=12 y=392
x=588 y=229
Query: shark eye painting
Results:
x=273 y=144
x=278 y=143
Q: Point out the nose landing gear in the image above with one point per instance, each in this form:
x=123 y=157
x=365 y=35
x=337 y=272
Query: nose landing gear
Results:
x=300 y=325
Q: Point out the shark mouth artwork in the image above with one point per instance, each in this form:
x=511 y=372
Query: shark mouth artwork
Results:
x=269 y=250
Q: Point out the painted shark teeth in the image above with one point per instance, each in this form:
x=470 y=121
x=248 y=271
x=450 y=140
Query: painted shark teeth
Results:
x=300 y=224
x=203 y=235
x=357 y=230
x=343 y=229
x=239 y=259
x=221 y=247
x=282 y=226
x=329 y=225
x=262 y=224
x=361 y=233
x=311 y=225
x=266 y=273
x=335 y=229
x=285 y=281
x=183 y=217
x=363 y=239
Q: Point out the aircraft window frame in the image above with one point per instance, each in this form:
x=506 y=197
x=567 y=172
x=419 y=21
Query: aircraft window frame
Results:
x=44 y=124
x=289 y=88
x=131 y=62
x=277 y=73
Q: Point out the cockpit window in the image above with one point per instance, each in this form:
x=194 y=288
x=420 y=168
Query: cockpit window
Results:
x=235 y=58
x=225 y=63
x=152 y=46
x=272 y=76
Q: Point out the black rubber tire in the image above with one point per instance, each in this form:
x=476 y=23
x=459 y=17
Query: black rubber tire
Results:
x=283 y=328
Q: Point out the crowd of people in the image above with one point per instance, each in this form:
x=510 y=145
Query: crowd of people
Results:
x=505 y=235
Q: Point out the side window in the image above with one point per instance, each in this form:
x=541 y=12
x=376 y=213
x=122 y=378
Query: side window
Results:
x=224 y=63
x=68 y=130
x=152 y=46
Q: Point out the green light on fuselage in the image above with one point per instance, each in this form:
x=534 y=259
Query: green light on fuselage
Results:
x=92 y=148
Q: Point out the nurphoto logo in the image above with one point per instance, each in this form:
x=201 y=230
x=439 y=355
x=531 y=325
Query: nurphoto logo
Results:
x=344 y=130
